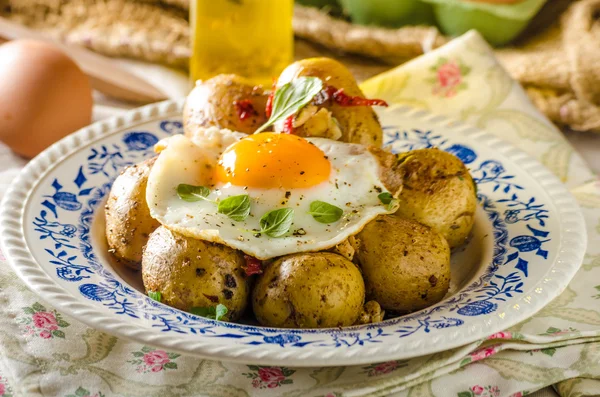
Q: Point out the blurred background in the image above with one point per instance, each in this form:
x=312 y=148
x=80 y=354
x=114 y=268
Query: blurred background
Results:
x=158 y=47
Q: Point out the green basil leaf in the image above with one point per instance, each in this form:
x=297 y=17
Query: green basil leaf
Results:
x=385 y=197
x=291 y=97
x=220 y=311
x=276 y=223
x=389 y=200
x=208 y=312
x=156 y=295
x=235 y=207
x=192 y=193
x=213 y=313
x=324 y=212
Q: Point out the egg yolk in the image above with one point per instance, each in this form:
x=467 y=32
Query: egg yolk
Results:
x=269 y=160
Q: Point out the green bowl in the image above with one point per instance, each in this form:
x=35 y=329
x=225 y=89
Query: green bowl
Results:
x=498 y=23
x=389 y=13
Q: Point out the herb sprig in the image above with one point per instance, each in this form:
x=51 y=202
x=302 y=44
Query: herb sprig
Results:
x=291 y=97
x=212 y=312
x=277 y=223
x=235 y=207
x=193 y=193
x=389 y=200
x=155 y=295
x=324 y=212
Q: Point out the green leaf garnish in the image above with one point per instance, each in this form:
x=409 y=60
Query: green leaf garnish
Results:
x=276 y=223
x=214 y=313
x=324 y=212
x=192 y=193
x=387 y=199
x=156 y=295
x=291 y=97
x=235 y=207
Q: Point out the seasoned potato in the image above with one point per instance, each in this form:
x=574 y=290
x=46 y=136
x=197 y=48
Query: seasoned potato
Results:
x=195 y=273
x=438 y=191
x=309 y=290
x=358 y=124
x=213 y=103
x=128 y=220
x=406 y=265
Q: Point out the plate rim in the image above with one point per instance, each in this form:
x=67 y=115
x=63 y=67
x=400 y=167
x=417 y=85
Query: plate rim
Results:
x=570 y=252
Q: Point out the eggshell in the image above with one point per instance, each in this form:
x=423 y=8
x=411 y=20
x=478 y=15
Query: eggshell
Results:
x=44 y=96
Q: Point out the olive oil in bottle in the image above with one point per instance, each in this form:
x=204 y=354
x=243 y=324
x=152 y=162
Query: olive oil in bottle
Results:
x=251 y=38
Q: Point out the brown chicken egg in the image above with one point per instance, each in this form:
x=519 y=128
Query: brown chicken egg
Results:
x=44 y=96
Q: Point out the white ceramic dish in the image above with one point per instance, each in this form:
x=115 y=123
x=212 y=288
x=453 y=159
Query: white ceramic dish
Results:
x=528 y=242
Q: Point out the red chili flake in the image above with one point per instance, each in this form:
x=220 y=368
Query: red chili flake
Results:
x=288 y=124
x=253 y=266
x=244 y=109
x=269 y=107
x=338 y=96
x=346 y=100
x=212 y=298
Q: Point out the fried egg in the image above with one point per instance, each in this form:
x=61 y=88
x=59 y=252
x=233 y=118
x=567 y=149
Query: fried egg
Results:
x=275 y=171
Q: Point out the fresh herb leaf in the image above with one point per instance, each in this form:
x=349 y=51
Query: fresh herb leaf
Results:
x=192 y=193
x=387 y=199
x=291 y=97
x=235 y=207
x=156 y=295
x=324 y=212
x=220 y=311
x=276 y=223
x=213 y=313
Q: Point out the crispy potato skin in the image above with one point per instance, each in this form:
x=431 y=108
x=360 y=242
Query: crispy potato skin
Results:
x=212 y=103
x=309 y=290
x=128 y=220
x=439 y=192
x=406 y=265
x=195 y=273
x=359 y=124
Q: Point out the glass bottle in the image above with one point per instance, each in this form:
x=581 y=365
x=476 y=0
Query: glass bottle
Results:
x=251 y=38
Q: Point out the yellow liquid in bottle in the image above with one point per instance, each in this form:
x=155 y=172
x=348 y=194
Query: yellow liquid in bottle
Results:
x=251 y=38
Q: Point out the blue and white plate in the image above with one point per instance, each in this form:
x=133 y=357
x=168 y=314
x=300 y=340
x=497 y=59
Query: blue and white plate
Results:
x=527 y=243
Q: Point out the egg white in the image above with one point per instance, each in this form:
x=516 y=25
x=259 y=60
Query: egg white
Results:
x=353 y=186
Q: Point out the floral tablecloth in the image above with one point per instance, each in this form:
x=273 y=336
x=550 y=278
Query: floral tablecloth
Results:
x=46 y=353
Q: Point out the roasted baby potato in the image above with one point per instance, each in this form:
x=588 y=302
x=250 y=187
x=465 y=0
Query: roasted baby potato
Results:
x=128 y=220
x=309 y=290
x=405 y=265
x=216 y=102
x=194 y=273
x=439 y=192
x=357 y=124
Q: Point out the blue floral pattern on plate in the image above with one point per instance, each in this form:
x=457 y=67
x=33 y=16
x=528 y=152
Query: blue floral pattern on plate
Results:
x=71 y=250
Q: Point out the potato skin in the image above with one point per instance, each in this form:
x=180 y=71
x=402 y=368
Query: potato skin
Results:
x=406 y=265
x=309 y=290
x=439 y=192
x=195 y=273
x=211 y=103
x=128 y=220
x=359 y=124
